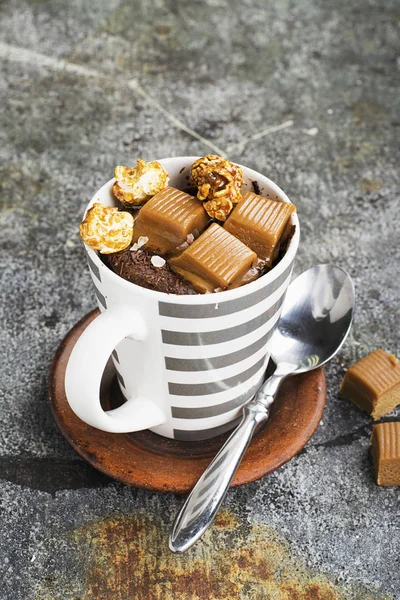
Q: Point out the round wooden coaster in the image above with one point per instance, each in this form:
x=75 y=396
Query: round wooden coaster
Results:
x=145 y=459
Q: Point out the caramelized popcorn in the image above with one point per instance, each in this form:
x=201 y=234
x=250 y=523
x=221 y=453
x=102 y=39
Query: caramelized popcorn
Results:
x=138 y=184
x=219 y=208
x=219 y=183
x=107 y=229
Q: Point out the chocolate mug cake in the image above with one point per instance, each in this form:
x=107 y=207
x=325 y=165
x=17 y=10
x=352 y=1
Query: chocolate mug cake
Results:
x=208 y=238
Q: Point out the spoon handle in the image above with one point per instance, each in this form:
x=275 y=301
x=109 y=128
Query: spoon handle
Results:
x=203 y=503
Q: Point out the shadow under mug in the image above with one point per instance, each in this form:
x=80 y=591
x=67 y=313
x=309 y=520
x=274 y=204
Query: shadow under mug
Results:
x=185 y=364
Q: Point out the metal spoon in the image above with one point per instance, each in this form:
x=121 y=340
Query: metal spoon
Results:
x=315 y=320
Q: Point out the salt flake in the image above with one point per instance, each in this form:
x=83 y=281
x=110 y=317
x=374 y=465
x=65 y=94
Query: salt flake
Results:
x=157 y=261
x=141 y=242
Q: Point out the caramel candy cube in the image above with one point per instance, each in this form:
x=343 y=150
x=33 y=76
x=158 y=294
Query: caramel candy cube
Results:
x=373 y=383
x=261 y=223
x=385 y=450
x=168 y=218
x=215 y=261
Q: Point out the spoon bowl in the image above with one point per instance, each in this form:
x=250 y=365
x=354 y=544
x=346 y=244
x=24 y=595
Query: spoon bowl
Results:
x=315 y=319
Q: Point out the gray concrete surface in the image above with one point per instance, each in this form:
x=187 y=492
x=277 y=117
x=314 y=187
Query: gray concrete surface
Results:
x=87 y=85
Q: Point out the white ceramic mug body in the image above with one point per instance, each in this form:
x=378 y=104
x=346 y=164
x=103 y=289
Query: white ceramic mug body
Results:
x=185 y=364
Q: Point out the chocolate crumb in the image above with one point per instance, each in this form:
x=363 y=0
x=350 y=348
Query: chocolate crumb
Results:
x=137 y=268
x=284 y=246
x=191 y=190
x=256 y=187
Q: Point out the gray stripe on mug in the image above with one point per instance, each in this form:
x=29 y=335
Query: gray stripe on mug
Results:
x=203 y=412
x=203 y=434
x=203 y=311
x=215 y=362
x=100 y=297
x=120 y=378
x=94 y=268
x=115 y=355
x=213 y=387
x=204 y=338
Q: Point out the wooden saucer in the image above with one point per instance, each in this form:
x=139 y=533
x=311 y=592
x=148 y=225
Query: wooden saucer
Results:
x=147 y=460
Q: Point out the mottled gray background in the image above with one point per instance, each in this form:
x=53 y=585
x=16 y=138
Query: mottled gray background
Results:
x=305 y=92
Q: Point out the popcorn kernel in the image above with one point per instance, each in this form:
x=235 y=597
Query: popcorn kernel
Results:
x=219 y=208
x=107 y=229
x=218 y=179
x=138 y=184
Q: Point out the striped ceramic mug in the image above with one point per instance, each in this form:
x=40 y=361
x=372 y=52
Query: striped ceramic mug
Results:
x=185 y=364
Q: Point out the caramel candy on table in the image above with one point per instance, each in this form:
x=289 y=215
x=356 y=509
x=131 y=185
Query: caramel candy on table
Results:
x=261 y=223
x=385 y=450
x=373 y=383
x=168 y=218
x=215 y=261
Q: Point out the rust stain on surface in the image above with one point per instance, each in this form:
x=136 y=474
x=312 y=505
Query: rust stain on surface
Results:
x=127 y=558
x=369 y=112
x=226 y=520
x=342 y=163
x=369 y=185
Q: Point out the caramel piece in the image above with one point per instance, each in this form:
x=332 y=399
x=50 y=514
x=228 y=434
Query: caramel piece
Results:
x=373 y=383
x=167 y=219
x=261 y=223
x=385 y=450
x=215 y=261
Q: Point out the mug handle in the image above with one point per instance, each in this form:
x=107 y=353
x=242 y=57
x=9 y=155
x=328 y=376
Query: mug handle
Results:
x=85 y=369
